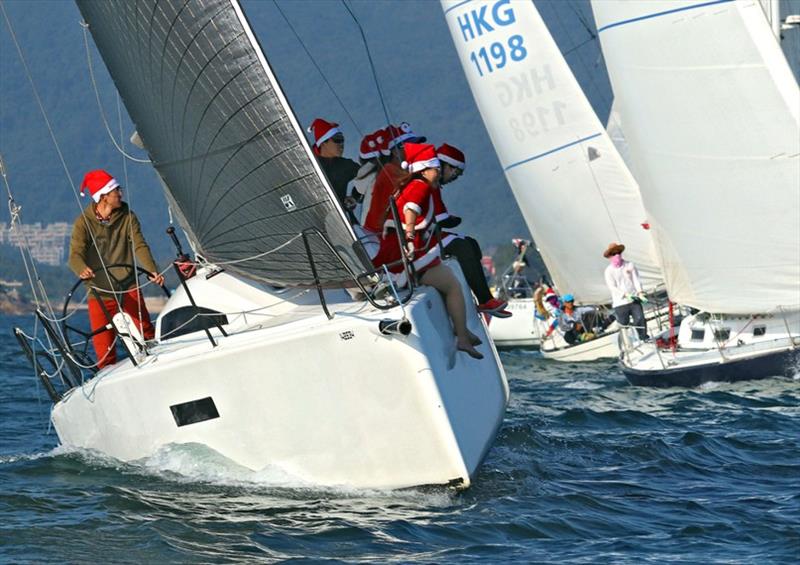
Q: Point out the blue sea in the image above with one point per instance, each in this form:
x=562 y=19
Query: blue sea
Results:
x=585 y=469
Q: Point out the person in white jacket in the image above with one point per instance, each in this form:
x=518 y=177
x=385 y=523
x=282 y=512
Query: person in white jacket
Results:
x=627 y=296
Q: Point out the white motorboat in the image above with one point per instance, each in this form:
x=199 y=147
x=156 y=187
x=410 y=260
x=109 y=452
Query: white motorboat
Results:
x=262 y=355
x=520 y=329
x=573 y=188
x=711 y=113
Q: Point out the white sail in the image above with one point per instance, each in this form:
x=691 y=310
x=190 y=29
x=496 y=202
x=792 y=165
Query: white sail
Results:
x=710 y=109
x=572 y=186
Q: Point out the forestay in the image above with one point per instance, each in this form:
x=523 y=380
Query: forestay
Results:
x=222 y=136
x=573 y=188
x=710 y=110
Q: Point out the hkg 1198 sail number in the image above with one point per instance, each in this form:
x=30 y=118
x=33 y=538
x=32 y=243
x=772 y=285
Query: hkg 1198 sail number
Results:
x=498 y=54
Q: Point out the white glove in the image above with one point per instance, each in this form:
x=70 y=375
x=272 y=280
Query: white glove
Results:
x=410 y=249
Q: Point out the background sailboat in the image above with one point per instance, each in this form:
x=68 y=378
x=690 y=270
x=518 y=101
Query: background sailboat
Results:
x=710 y=109
x=572 y=186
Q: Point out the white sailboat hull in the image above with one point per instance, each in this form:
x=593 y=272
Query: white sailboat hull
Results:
x=331 y=402
x=520 y=329
x=604 y=347
x=757 y=347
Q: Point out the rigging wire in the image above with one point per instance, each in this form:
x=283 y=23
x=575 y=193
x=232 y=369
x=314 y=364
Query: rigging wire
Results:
x=589 y=72
x=130 y=224
x=50 y=130
x=85 y=27
x=319 y=70
x=371 y=62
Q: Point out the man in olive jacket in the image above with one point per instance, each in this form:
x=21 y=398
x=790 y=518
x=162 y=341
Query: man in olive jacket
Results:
x=108 y=233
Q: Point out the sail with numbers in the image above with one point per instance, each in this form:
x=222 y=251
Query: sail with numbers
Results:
x=223 y=138
x=572 y=187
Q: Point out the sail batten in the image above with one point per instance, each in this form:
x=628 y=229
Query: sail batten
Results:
x=223 y=138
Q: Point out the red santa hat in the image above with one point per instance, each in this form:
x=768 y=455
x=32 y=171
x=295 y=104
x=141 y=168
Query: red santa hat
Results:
x=381 y=138
x=323 y=131
x=98 y=183
x=369 y=147
x=419 y=156
x=452 y=156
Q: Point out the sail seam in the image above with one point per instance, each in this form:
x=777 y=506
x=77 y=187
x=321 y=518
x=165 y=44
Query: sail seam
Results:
x=451 y=8
x=664 y=13
x=551 y=151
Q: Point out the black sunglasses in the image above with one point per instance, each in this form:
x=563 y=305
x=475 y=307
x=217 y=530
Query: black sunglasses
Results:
x=338 y=139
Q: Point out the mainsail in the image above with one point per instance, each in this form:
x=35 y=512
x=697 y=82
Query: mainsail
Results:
x=710 y=110
x=223 y=138
x=573 y=188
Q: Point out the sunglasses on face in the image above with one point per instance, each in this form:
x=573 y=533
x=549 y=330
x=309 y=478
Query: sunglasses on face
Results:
x=338 y=139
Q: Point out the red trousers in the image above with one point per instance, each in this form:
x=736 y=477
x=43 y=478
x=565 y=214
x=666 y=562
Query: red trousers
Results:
x=132 y=303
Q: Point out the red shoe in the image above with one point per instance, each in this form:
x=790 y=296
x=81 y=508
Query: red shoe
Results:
x=500 y=314
x=492 y=305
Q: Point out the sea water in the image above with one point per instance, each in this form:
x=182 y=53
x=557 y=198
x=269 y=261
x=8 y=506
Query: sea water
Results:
x=585 y=469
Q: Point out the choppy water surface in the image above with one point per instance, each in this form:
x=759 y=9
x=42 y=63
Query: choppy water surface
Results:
x=586 y=468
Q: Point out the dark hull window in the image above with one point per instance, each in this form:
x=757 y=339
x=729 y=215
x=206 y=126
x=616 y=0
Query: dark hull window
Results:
x=187 y=320
x=194 y=411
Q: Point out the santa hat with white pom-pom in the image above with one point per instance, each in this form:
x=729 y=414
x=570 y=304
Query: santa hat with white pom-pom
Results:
x=419 y=156
x=369 y=147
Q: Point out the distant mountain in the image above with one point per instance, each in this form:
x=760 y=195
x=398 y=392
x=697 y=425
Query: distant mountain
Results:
x=415 y=61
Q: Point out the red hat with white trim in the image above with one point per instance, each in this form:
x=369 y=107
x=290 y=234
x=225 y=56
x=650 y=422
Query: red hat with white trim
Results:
x=322 y=131
x=452 y=156
x=419 y=156
x=369 y=147
x=381 y=138
x=98 y=183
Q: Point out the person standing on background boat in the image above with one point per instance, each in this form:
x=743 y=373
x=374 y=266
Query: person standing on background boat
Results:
x=329 y=148
x=465 y=249
x=627 y=295
x=415 y=204
x=106 y=233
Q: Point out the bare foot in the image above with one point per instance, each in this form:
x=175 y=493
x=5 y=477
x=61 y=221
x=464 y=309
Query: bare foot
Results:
x=467 y=348
x=473 y=339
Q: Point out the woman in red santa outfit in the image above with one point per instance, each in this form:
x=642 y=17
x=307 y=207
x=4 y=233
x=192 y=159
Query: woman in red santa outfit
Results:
x=465 y=249
x=416 y=206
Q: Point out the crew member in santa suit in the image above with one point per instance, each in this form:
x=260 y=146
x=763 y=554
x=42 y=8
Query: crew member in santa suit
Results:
x=108 y=233
x=415 y=204
x=465 y=249
x=329 y=148
x=391 y=176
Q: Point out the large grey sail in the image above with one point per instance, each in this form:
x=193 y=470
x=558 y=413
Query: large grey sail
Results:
x=222 y=136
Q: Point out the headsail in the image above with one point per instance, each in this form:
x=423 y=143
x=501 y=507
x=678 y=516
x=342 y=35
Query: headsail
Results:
x=572 y=186
x=222 y=137
x=710 y=110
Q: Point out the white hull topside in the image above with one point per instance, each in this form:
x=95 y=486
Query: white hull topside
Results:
x=331 y=402
x=520 y=329
x=699 y=342
x=605 y=346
